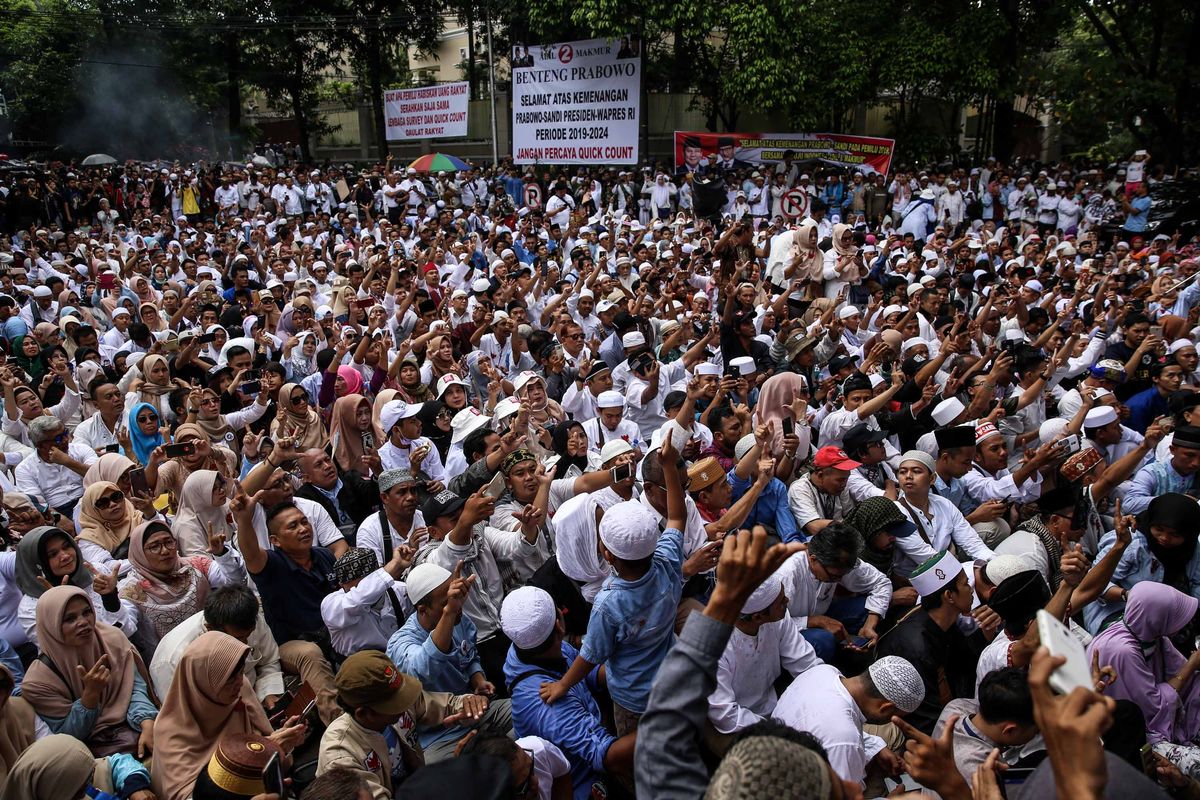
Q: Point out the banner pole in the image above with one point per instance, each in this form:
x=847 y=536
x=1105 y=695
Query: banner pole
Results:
x=487 y=17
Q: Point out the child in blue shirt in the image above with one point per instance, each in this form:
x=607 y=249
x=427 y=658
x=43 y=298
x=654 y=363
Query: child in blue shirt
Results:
x=633 y=617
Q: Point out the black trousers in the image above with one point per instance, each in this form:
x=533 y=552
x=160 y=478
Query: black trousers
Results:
x=492 y=653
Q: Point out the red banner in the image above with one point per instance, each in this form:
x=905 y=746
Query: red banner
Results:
x=703 y=152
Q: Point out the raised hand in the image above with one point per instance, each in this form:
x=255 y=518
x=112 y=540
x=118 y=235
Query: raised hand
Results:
x=103 y=582
x=94 y=680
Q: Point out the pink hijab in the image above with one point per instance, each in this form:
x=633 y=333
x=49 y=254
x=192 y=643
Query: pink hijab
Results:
x=353 y=379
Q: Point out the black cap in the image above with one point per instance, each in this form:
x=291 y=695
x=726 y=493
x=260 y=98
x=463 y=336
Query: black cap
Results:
x=838 y=363
x=856 y=382
x=598 y=368
x=443 y=504
x=1018 y=598
x=858 y=438
x=958 y=436
x=1187 y=436
x=1058 y=499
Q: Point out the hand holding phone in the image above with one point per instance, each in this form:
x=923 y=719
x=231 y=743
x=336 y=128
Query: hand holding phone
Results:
x=1057 y=638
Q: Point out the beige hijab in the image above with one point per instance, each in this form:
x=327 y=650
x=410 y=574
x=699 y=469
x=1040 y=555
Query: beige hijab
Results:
x=16 y=725
x=95 y=528
x=810 y=263
x=203 y=704
x=52 y=691
x=59 y=766
x=306 y=427
x=197 y=515
x=109 y=467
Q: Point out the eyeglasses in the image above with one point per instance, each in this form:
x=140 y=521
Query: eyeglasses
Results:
x=161 y=546
x=109 y=500
x=299 y=399
x=444 y=414
x=573 y=336
x=146 y=418
x=61 y=438
x=209 y=401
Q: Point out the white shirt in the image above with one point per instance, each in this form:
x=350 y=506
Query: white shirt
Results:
x=649 y=415
x=393 y=457
x=227 y=197
x=93 y=433
x=943 y=524
x=54 y=484
x=598 y=433
x=325 y=531
x=808 y=596
x=817 y=702
x=65 y=409
x=747 y=671
x=261 y=666
x=10 y=598
x=369 y=537
x=983 y=486
x=363 y=618
x=548 y=763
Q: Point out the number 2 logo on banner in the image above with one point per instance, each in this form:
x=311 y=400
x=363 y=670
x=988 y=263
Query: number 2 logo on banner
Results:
x=566 y=53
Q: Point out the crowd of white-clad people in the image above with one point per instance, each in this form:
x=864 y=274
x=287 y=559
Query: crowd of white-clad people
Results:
x=343 y=482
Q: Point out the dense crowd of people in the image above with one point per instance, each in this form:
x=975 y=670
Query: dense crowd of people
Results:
x=517 y=483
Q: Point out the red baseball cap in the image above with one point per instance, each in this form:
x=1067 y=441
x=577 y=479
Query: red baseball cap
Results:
x=835 y=457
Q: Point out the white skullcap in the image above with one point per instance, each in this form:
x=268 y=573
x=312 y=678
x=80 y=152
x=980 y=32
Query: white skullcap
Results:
x=707 y=368
x=1101 y=415
x=423 y=579
x=1034 y=286
x=629 y=530
x=42 y=291
x=610 y=399
x=633 y=339
x=527 y=616
x=1179 y=344
x=848 y=311
x=480 y=285
x=120 y=311
x=586 y=293
x=899 y=682
x=744 y=364
x=498 y=315
x=1005 y=566
x=743 y=446
x=506 y=252
x=915 y=341
x=921 y=457
x=947 y=411
x=762 y=597
x=892 y=309
x=913 y=288
x=935 y=573
x=1051 y=428
x=876 y=379
x=613 y=448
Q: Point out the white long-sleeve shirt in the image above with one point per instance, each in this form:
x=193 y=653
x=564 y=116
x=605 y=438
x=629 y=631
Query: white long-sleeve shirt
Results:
x=53 y=484
x=363 y=617
x=746 y=673
x=808 y=596
x=944 y=524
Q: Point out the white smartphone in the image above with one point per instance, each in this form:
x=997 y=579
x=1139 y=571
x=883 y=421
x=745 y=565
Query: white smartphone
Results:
x=1057 y=638
x=496 y=487
x=1070 y=443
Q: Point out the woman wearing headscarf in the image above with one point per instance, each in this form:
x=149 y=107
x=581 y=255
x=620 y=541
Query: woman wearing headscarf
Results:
x=807 y=261
x=151 y=317
x=300 y=356
x=202 y=512
x=26 y=353
x=843 y=263
x=106 y=519
x=153 y=385
x=570 y=445
x=436 y=421
x=439 y=361
x=168 y=588
x=1152 y=673
x=296 y=419
x=90 y=681
x=49 y=557
x=204 y=409
x=355 y=435
x=145 y=431
x=1162 y=549
x=171 y=476
x=58 y=767
x=411 y=386
x=531 y=387
x=209 y=699
x=19 y=724
x=777 y=400
x=111 y=467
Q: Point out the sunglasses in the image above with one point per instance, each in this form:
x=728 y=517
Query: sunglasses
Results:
x=109 y=500
x=209 y=401
x=61 y=438
x=299 y=399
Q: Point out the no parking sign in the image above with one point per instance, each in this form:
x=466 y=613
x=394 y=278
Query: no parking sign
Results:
x=793 y=203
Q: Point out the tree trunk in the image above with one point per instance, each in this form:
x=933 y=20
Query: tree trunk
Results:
x=299 y=112
x=233 y=92
x=375 y=79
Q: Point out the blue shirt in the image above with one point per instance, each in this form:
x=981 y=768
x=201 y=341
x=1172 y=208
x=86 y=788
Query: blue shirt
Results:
x=632 y=624
x=1137 y=564
x=771 y=508
x=1135 y=221
x=956 y=492
x=412 y=650
x=573 y=723
x=291 y=596
x=1144 y=408
x=1152 y=480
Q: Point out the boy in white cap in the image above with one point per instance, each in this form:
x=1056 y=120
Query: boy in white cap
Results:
x=835 y=710
x=535 y=626
x=930 y=639
x=632 y=622
x=765 y=641
x=610 y=424
x=937 y=519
